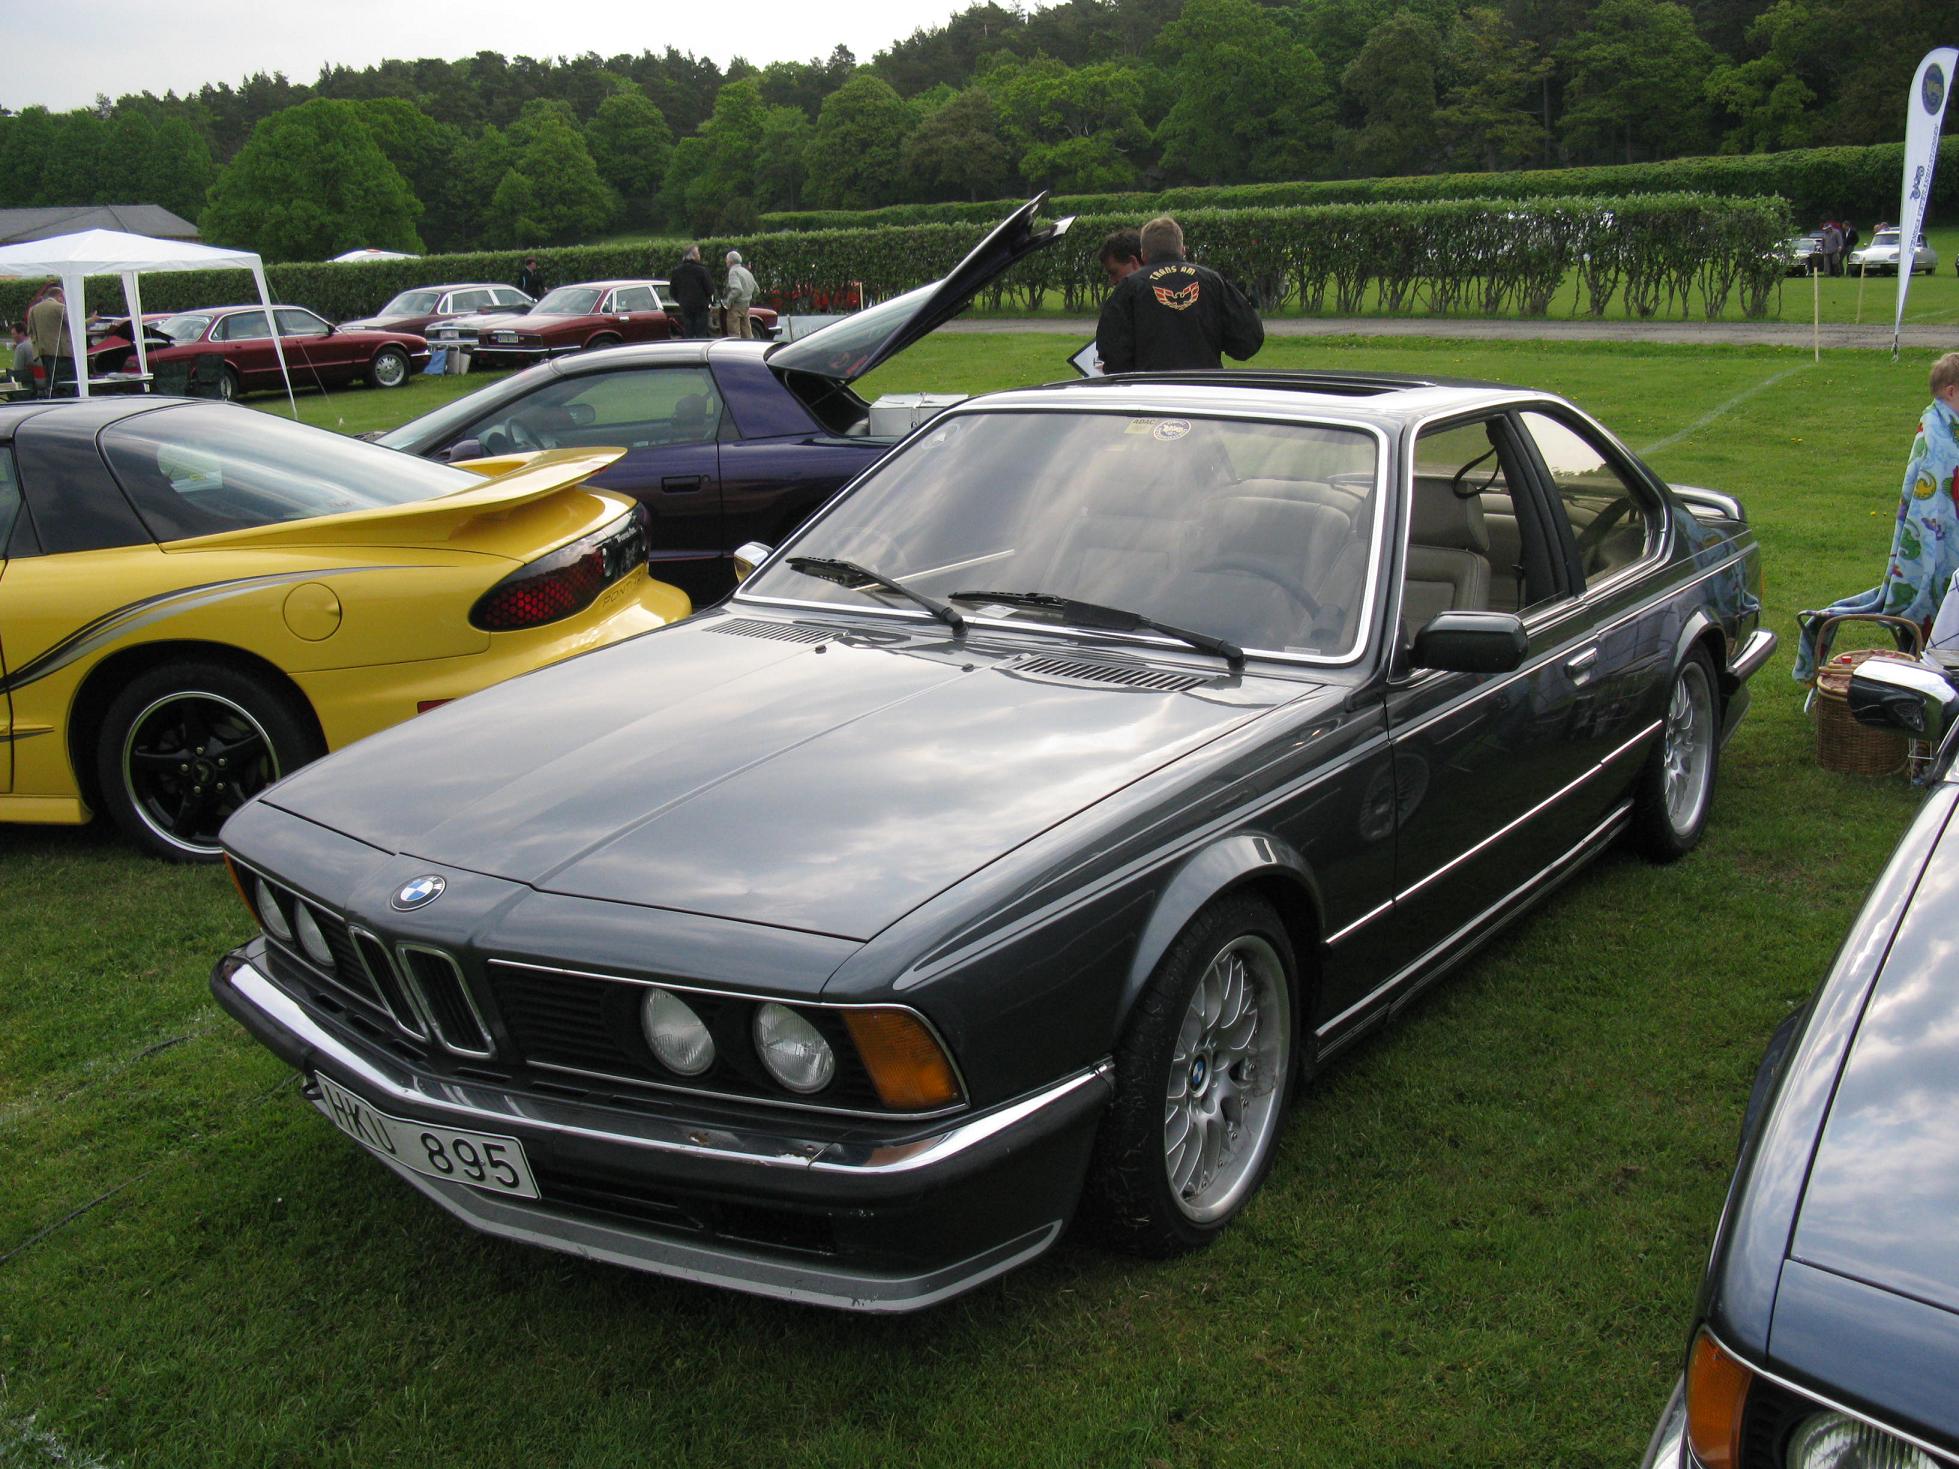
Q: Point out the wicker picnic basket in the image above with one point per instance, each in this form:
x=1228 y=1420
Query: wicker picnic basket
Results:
x=1842 y=744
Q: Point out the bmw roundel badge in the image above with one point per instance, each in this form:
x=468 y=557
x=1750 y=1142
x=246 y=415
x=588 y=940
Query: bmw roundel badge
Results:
x=420 y=892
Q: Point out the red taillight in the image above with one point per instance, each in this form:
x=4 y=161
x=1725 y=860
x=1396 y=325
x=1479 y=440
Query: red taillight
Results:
x=567 y=581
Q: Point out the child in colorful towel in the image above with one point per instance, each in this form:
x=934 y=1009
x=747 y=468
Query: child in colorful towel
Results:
x=1925 y=545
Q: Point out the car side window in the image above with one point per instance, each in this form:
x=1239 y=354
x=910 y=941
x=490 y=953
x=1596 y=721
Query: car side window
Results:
x=9 y=499
x=509 y=296
x=246 y=326
x=1614 y=521
x=634 y=298
x=640 y=408
x=469 y=300
x=1474 y=543
x=301 y=324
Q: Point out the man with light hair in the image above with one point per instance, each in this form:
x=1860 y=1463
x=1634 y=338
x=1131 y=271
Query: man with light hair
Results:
x=1172 y=314
x=47 y=326
x=738 y=296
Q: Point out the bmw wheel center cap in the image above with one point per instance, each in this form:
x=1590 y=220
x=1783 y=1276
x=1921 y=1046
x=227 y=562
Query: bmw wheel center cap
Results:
x=420 y=892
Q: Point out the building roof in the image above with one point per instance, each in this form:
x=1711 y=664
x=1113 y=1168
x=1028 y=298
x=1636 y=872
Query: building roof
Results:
x=20 y=225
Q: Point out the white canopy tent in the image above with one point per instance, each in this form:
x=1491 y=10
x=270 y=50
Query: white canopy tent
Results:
x=72 y=258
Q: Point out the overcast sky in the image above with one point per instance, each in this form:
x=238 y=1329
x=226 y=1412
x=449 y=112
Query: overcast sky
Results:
x=61 y=53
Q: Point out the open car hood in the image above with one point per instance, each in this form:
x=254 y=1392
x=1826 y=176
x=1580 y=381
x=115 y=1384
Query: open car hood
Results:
x=848 y=349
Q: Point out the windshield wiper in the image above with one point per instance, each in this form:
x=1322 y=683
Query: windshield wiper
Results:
x=1106 y=619
x=850 y=574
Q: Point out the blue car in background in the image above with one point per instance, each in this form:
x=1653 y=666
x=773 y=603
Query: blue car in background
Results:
x=1827 y=1333
x=727 y=441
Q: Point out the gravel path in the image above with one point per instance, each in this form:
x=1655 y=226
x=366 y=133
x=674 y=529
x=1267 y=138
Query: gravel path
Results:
x=1743 y=333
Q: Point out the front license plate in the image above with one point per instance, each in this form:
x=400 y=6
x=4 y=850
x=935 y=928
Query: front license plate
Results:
x=480 y=1159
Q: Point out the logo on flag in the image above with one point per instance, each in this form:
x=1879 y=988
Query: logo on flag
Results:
x=1932 y=94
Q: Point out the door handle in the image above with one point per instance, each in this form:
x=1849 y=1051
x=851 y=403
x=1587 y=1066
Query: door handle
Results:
x=1579 y=665
x=681 y=484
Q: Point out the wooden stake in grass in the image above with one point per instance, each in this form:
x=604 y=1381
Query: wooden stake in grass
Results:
x=1816 y=317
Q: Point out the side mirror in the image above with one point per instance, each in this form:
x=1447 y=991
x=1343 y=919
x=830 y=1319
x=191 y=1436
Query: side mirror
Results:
x=749 y=556
x=1470 y=642
x=1903 y=696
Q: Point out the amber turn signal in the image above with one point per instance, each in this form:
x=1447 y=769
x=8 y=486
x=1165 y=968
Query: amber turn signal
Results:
x=906 y=1065
x=1717 y=1388
x=244 y=893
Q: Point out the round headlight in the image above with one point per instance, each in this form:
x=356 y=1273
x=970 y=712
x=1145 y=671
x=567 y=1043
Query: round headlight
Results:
x=269 y=914
x=675 y=1033
x=796 y=1055
x=1835 y=1441
x=310 y=938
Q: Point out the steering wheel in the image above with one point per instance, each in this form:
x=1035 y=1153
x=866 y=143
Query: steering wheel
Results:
x=1233 y=566
x=521 y=438
x=1591 y=540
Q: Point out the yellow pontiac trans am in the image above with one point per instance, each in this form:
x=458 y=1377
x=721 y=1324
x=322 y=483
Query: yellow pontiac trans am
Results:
x=195 y=599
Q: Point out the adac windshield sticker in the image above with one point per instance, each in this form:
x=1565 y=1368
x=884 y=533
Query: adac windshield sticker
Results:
x=1170 y=430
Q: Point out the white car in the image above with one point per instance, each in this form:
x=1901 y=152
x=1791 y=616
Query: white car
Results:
x=1880 y=257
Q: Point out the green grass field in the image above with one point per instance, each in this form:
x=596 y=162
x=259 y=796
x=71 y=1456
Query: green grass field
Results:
x=1480 y=1243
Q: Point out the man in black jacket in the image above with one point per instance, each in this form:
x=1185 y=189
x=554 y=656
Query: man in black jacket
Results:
x=1172 y=314
x=530 y=280
x=692 y=289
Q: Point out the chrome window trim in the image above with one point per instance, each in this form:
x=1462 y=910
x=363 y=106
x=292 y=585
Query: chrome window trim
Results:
x=1364 y=629
x=358 y=931
x=1554 y=869
x=686 y=988
x=419 y=998
x=1810 y=1395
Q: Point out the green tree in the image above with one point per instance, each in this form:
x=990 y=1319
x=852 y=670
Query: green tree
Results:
x=568 y=199
x=1486 y=118
x=1637 y=79
x=957 y=152
x=1075 y=130
x=854 y=159
x=179 y=169
x=309 y=183
x=781 y=169
x=428 y=154
x=1251 y=102
x=631 y=144
x=705 y=180
x=1391 y=83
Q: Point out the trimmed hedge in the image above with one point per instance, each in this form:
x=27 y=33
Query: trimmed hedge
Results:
x=1668 y=251
x=1862 y=183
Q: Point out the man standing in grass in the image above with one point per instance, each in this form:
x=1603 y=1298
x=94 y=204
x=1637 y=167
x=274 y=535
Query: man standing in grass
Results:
x=738 y=297
x=1173 y=314
x=692 y=289
x=47 y=325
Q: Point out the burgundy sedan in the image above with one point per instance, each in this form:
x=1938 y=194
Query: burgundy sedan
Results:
x=573 y=318
x=419 y=309
x=318 y=354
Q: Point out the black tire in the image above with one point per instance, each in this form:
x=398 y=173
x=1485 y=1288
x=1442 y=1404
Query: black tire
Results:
x=1151 y=1189
x=764 y=333
x=389 y=369
x=186 y=744
x=601 y=342
x=1676 y=787
x=229 y=387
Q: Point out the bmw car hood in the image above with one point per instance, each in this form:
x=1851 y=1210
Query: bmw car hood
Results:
x=723 y=768
x=848 y=349
x=1884 y=1186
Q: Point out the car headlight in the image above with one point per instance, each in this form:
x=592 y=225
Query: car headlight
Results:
x=310 y=938
x=1837 y=1441
x=677 y=1035
x=793 y=1051
x=269 y=913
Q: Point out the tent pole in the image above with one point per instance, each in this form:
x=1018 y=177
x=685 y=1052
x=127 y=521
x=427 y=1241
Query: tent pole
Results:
x=71 y=290
x=132 y=297
x=278 y=348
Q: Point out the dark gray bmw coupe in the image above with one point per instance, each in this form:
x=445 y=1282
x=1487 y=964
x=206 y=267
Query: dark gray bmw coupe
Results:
x=1019 y=834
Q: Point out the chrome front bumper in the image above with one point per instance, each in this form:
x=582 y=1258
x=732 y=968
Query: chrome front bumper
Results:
x=1027 y=1155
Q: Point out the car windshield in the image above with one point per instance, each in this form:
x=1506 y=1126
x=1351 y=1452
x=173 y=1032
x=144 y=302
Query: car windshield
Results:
x=1259 y=533
x=183 y=328
x=411 y=303
x=201 y=469
x=569 y=301
x=1886 y=237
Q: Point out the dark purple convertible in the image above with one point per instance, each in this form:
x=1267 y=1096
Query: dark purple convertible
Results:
x=727 y=441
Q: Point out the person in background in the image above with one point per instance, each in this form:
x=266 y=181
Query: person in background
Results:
x=1925 y=537
x=530 y=280
x=21 y=366
x=738 y=297
x=693 y=289
x=1173 y=314
x=47 y=325
x=1121 y=255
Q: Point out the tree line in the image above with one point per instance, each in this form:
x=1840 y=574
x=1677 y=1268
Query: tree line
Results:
x=1082 y=96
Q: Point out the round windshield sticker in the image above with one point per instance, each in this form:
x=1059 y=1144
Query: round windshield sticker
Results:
x=1170 y=428
x=1934 y=89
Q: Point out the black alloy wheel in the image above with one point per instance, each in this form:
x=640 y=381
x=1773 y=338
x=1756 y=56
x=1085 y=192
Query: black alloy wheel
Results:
x=185 y=745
